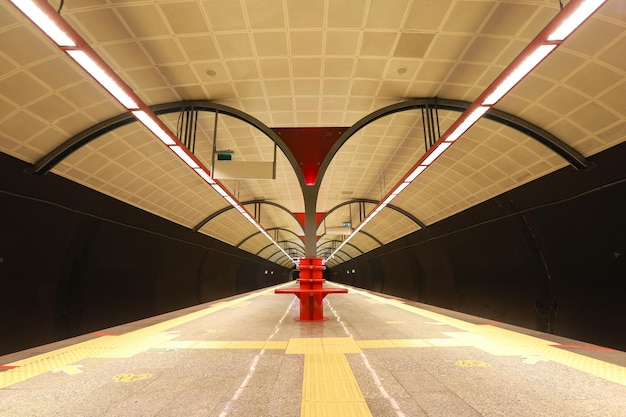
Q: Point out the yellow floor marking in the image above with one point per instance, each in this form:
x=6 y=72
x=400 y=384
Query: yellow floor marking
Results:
x=122 y=346
x=239 y=305
x=246 y=345
x=374 y=344
x=70 y=369
x=499 y=341
x=329 y=387
x=472 y=364
x=446 y=342
x=276 y=345
x=130 y=377
x=407 y=343
x=304 y=345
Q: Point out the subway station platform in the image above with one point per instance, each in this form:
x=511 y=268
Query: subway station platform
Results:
x=376 y=356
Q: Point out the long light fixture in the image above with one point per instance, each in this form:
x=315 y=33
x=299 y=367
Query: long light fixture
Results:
x=41 y=19
x=69 y=41
x=551 y=37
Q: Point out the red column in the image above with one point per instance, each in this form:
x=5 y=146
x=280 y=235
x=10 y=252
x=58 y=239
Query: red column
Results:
x=311 y=307
x=311 y=291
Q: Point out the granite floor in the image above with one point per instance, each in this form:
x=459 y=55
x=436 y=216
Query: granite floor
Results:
x=375 y=356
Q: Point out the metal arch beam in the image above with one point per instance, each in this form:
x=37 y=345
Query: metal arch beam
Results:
x=45 y=164
x=296 y=248
x=269 y=258
x=269 y=230
x=284 y=264
x=371 y=201
x=572 y=156
x=225 y=209
x=277 y=252
x=347 y=243
x=263 y=248
x=372 y=237
x=49 y=161
x=342 y=260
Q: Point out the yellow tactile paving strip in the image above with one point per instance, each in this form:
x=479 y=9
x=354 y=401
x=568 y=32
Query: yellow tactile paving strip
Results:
x=329 y=387
x=501 y=342
x=122 y=346
x=303 y=346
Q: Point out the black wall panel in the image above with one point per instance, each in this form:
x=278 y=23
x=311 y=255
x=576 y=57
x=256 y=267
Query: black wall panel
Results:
x=549 y=255
x=74 y=261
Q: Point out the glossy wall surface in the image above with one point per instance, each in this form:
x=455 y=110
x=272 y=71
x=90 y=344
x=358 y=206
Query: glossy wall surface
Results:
x=74 y=261
x=550 y=256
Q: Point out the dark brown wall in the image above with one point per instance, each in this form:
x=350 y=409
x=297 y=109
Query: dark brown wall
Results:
x=75 y=261
x=550 y=256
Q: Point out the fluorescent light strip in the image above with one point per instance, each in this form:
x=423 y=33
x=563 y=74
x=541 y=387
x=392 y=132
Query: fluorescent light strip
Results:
x=417 y=171
x=575 y=20
x=520 y=72
x=204 y=175
x=243 y=211
x=467 y=123
x=184 y=156
x=400 y=187
x=101 y=76
x=219 y=189
x=151 y=124
x=388 y=200
x=39 y=18
x=435 y=154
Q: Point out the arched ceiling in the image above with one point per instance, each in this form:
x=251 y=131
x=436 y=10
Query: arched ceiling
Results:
x=307 y=64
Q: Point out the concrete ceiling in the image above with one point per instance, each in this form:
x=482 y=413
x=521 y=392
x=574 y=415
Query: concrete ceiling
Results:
x=297 y=63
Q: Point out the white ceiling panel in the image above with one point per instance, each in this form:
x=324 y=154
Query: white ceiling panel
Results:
x=290 y=63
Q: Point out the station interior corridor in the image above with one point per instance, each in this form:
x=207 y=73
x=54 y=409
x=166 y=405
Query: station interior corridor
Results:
x=374 y=356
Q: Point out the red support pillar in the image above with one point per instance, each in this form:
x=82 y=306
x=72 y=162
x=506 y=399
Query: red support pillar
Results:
x=311 y=291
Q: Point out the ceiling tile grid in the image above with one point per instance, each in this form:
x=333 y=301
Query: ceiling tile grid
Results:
x=389 y=225
x=44 y=98
x=232 y=228
x=129 y=164
x=489 y=160
x=293 y=63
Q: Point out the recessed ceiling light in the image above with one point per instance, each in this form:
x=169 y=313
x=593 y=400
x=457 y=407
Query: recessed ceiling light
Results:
x=211 y=72
x=402 y=70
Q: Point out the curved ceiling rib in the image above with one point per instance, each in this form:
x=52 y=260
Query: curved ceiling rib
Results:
x=337 y=255
x=225 y=209
x=296 y=248
x=48 y=162
x=269 y=258
x=371 y=201
x=269 y=230
x=374 y=238
x=76 y=142
x=339 y=241
x=573 y=157
x=45 y=164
